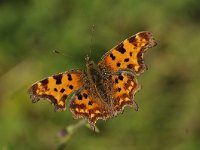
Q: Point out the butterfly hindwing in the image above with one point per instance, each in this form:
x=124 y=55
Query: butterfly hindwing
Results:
x=57 y=88
x=124 y=88
x=85 y=105
x=129 y=53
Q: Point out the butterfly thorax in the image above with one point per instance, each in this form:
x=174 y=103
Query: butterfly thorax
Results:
x=95 y=78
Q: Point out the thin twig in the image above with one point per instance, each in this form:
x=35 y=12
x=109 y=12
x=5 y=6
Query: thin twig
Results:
x=66 y=134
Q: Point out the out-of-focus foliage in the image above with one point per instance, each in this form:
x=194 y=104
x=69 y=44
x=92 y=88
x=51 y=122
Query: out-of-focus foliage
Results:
x=169 y=101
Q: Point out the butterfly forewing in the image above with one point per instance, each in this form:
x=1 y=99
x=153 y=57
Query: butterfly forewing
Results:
x=57 y=88
x=129 y=53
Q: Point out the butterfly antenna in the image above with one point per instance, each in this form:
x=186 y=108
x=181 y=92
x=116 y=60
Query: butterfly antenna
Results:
x=92 y=39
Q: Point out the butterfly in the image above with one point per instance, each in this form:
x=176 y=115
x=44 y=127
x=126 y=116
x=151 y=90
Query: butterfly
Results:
x=102 y=90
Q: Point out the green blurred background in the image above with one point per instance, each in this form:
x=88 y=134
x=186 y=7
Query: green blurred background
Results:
x=169 y=102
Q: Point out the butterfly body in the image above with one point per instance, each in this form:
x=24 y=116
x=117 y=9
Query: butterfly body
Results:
x=97 y=79
x=102 y=90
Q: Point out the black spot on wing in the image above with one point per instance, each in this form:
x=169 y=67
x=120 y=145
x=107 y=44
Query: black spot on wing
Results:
x=126 y=60
x=62 y=90
x=89 y=103
x=69 y=77
x=112 y=56
x=118 y=64
x=44 y=82
x=85 y=95
x=120 y=48
x=144 y=35
x=121 y=77
x=130 y=66
x=116 y=80
x=58 y=78
x=119 y=89
x=80 y=97
x=71 y=87
x=132 y=39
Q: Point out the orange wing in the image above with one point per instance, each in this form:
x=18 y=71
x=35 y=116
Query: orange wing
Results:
x=57 y=87
x=124 y=88
x=85 y=105
x=129 y=53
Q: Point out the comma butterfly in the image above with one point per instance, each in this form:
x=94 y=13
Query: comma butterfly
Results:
x=102 y=90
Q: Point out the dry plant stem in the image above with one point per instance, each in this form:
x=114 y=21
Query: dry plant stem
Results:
x=70 y=130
